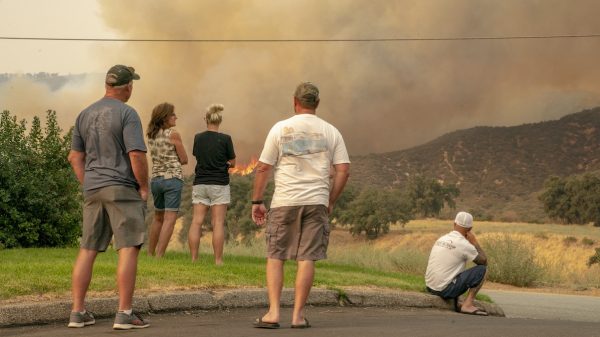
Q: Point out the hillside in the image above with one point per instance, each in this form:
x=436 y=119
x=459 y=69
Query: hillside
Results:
x=499 y=170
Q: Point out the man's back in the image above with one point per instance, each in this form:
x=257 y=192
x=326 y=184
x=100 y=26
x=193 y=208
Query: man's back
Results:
x=447 y=259
x=106 y=131
x=302 y=149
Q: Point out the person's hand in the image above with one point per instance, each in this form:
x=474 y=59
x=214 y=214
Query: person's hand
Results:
x=144 y=193
x=259 y=214
x=330 y=208
x=471 y=237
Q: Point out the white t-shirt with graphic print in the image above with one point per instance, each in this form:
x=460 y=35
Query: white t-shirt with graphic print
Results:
x=448 y=258
x=302 y=149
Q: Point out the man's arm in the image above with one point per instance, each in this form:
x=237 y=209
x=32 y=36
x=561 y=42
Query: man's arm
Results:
x=340 y=177
x=481 y=258
x=260 y=183
x=139 y=165
x=77 y=161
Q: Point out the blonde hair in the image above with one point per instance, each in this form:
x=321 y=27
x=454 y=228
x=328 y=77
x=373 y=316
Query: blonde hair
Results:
x=213 y=114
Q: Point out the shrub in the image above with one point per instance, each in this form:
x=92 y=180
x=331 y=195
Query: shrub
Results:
x=569 y=240
x=40 y=202
x=594 y=258
x=587 y=241
x=511 y=261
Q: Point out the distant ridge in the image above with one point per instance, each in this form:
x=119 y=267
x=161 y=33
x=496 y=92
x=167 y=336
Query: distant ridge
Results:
x=499 y=170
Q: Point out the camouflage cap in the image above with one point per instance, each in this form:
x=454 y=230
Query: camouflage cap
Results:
x=120 y=74
x=308 y=94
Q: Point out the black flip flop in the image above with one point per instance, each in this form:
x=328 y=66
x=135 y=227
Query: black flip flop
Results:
x=304 y=325
x=259 y=323
x=456 y=306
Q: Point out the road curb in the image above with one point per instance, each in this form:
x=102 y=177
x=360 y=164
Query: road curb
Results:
x=58 y=311
x=393 y=298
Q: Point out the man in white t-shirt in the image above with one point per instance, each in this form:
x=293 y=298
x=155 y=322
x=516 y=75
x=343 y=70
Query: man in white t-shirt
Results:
x=302 y=149
x=446 y=275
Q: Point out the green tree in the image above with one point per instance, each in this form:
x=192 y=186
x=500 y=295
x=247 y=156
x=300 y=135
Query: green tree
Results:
x=428 y=196
x=374 y=209
x=40 y=202
x=349 y=193
x=573 y=200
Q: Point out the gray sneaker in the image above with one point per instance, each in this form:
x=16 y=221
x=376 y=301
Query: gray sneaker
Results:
x=126 y=322
x=79 y=320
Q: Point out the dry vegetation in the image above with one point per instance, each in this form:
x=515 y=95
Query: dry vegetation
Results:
x=559 y=253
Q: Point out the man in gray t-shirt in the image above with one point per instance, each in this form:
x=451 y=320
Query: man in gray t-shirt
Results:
x=107 y=131
x=108 y=156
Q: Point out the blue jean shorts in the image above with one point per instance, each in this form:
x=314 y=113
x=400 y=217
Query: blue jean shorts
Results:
x=166 y=193
x=470 y=278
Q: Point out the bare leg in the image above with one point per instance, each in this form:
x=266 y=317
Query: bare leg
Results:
x=469 y=305
x=196 y=229
x=154 y=232
x=165 y=234
x=217 y=216
x=304 y=281
x=274 y=285
x=126 y=273
x=81 y=277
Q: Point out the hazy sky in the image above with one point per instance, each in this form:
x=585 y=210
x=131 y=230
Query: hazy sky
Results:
x=55 y=18
x=383 y=96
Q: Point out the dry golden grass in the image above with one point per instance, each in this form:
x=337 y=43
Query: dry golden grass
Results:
x=562 y=251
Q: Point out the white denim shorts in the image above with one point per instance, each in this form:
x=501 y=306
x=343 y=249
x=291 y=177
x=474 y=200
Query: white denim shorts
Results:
x=211 y=194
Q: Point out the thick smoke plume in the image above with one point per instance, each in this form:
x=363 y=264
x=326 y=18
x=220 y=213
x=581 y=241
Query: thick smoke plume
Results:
x=383 y=96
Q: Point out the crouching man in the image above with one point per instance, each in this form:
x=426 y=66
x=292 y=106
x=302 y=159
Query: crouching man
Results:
x=446 y=275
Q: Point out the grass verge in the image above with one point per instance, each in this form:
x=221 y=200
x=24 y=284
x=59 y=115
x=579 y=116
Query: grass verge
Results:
x=47 y=273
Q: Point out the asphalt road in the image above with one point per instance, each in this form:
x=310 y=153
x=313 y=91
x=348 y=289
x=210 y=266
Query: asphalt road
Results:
x=327 y=322
x=547 y=306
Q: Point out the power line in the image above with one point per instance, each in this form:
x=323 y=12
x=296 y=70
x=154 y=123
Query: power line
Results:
x=400 y=39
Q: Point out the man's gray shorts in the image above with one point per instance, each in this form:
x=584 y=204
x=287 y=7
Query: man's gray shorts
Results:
x=298 y=233
x=117 y=210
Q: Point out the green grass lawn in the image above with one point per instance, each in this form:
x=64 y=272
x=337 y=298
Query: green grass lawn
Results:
x=35 y=272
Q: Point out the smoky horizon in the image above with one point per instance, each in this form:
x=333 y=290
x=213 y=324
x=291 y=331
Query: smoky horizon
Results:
x=383 y=96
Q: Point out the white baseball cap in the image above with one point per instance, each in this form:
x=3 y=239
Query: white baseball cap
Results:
x=464 y=219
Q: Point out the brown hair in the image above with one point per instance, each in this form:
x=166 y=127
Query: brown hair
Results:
x=160 y=113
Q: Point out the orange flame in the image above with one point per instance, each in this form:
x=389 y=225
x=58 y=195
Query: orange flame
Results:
x=244 y=170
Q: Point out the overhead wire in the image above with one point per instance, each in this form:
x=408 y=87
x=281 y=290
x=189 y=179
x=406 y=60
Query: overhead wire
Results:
x=392 y=39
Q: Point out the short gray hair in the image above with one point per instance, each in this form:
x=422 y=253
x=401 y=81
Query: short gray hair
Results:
x=307 y=94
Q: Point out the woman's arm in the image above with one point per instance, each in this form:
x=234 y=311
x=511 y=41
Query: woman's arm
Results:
x=175 y=139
